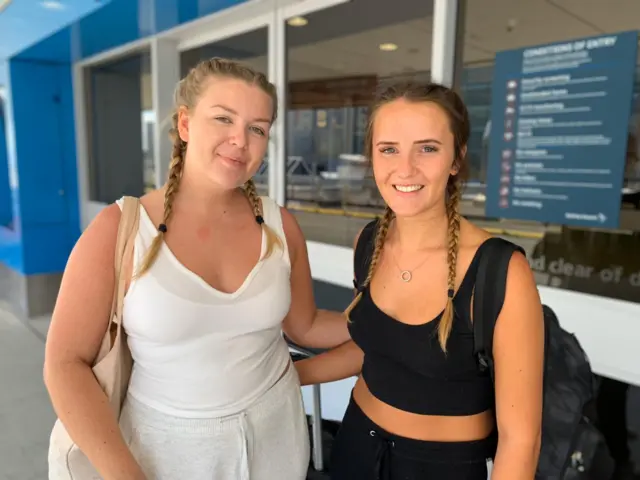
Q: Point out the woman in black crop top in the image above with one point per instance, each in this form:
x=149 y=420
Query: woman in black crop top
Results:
x=421 y=407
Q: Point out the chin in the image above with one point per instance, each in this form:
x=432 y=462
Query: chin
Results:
x=228 y=180
x=407 y=211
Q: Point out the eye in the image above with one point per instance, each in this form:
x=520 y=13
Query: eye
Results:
x=388 y=150
x=428 y=149
x=258 y=131
x=223 y=119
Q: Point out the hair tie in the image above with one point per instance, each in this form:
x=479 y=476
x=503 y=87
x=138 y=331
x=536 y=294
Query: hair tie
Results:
x=450 y=293
x=259 y=219
x=162 y=228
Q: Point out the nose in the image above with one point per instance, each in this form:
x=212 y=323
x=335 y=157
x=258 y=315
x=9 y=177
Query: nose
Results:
x=238 y=136
x=405 y=167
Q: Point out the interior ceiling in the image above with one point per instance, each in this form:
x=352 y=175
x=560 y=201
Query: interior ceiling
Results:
x=336 y=43
x=342 y=41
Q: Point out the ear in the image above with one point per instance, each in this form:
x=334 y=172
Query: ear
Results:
x=183 y=124
x=455 y=167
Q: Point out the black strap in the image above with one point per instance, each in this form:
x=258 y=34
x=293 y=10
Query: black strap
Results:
x=363 y=253
x=488 y=296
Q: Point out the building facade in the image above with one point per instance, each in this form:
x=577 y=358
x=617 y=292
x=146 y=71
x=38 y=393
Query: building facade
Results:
x=84 y=117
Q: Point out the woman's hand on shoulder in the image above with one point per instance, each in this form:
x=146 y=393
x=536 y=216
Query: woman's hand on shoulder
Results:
x=82 y=309
x=518 y=352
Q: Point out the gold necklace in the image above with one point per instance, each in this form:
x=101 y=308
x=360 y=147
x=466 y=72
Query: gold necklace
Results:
x=406 y=275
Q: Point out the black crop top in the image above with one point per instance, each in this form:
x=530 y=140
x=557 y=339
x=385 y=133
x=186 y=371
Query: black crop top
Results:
x=404 y=365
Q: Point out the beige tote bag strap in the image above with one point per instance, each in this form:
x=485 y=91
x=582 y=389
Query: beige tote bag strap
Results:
x=127 y=231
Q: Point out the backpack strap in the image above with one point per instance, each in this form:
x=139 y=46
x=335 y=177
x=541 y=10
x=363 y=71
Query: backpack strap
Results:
x=488 y=296
x=363 y=253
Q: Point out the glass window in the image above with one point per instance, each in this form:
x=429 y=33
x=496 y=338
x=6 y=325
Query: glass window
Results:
x=119 y=134
x=6 y=208
x=597 y=261
x=335 y=60
x=250 y=48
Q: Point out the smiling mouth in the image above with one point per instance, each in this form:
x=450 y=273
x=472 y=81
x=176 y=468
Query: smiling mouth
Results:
x=231 y=159
x=408 y=188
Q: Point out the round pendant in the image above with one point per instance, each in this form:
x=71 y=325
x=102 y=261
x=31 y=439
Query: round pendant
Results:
x=405 y=275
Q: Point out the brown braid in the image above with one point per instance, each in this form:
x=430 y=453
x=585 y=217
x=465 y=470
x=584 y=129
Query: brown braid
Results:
x=272 y=238
x=187 y=93
x=381 y=235
x=453 y=237
x=451 y=103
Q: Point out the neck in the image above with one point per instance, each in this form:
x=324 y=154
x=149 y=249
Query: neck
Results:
x=426 y=231
x=204 y=199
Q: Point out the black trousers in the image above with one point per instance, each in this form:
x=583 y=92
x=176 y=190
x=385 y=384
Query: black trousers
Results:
x=363 y=451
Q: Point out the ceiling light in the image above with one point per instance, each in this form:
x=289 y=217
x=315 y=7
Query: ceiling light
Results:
x=52 y=5
x=4 y=4
x=388 y=47
x=297 y=21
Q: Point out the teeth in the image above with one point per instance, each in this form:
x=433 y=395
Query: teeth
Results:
x=408 y=188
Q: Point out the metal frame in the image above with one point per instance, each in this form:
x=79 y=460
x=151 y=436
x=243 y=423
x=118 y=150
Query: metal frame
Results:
x=443 y=48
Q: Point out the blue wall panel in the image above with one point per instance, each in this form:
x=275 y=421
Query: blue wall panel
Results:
x=45 y=146
x=120 y=22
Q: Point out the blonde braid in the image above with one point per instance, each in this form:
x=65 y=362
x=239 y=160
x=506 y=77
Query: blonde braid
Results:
x=173 y=183
x=381 y=235
x=453 y=236
x=272 y=238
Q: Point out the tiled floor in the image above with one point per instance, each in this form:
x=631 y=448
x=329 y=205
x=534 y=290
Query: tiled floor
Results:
x=26 y=416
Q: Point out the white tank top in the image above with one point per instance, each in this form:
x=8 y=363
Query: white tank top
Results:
x=200 y=352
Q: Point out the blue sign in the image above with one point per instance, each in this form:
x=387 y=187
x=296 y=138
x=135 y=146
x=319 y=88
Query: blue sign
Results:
x=560 y=119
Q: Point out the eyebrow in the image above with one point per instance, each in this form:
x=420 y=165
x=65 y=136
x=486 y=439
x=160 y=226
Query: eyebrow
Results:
x=417 y=142
x=231 y=110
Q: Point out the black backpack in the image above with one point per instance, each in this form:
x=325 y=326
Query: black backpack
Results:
x=572 y=447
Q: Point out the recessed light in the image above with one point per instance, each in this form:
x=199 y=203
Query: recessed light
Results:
x=52 y=5
x=297 y=21
x=388 y=47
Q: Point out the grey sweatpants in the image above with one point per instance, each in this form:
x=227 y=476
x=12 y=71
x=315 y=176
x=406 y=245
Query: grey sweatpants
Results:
x=268 y=441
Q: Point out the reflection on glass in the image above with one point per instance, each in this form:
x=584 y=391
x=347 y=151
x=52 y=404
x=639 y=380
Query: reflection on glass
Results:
x=336 y=59
x=118 y=94
x=596 y=261
x=6 y=204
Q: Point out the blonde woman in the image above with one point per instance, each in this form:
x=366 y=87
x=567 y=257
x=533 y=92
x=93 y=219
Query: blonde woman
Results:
x=421 y=408
x=216 y=274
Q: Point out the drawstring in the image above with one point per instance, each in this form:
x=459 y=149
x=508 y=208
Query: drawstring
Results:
x=383 y=456
x=244 y=439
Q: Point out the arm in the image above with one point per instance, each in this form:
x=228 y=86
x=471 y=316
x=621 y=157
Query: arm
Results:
x=337 y=364
x=519 y=357
x=305 y=324
x=78 y=324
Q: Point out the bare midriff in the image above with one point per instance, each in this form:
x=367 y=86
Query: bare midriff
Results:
x=435 y=428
